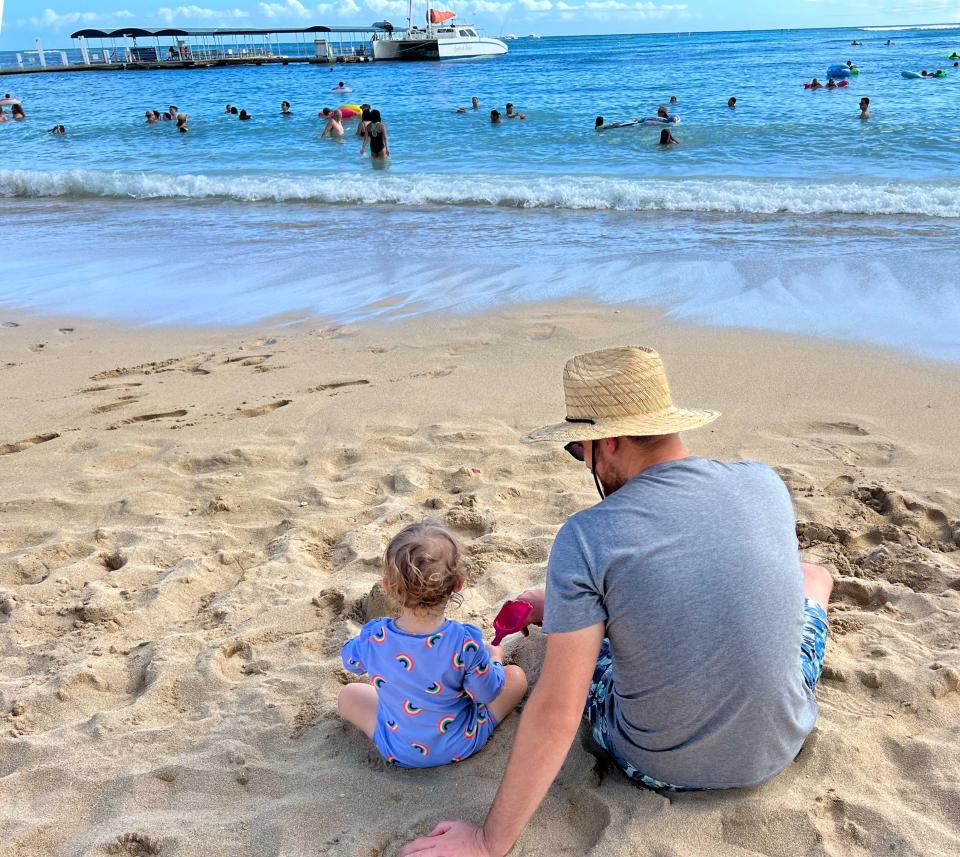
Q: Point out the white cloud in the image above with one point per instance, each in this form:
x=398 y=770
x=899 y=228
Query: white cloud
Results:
x=170 y=14
x=537 y=5
x=491 y=8
x=287 y=9
x=397 y=7
x=53 y=20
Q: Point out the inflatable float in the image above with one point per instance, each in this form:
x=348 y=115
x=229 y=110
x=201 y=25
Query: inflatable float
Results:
x=672 y=119
x=915 y=75
x=836 y=71
x=953 y=56
x=341 y=89
x=5 y=102
x=350 y=111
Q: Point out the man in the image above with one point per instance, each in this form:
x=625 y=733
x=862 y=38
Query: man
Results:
x=677 y=607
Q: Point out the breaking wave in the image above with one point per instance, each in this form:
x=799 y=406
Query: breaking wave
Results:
x=732 y=196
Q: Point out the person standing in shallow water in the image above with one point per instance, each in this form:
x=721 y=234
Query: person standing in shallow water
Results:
x=864 y=109
x=680 y=621
x=376 y=136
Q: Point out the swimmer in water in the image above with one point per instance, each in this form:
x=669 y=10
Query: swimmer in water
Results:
x=244 y=116
x=59 y=130
x=864 y=109
x=815 y=84
x=732 y=102
x=285 y=108
x=3 y=116
x=475 y=102
x=831 y=83
x=166 y=117
x=599 y=125
x=667 y=139
x=16 y=111
x=152 y=117
x=495 y=117
x=377 y=138
x=334 y=127
x=512 y=114
x=662 y=112
x=228 y=108
x=182 y=123
x=888 y=43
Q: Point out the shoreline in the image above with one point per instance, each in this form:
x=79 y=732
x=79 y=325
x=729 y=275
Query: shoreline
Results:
x=179 y=566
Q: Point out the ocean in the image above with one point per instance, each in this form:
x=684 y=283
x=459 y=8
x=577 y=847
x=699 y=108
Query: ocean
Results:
x=787 y=213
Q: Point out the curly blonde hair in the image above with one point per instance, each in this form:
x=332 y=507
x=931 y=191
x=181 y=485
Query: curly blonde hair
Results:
x=422 y=567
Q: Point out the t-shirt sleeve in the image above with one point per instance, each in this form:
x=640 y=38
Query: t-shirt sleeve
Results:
x=483 y=678
x=350 y=654
x=573 y=601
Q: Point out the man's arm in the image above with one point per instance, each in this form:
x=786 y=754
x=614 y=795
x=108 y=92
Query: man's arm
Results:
x=547 y=728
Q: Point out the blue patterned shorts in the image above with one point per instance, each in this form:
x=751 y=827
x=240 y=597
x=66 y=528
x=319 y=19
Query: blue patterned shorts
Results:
x=813 y=644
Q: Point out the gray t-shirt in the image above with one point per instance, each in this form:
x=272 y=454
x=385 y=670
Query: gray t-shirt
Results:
x=694 y=569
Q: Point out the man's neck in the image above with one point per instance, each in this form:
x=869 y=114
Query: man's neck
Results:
x=641 y=456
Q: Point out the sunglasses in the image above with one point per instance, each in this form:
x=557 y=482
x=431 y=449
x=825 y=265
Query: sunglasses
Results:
x=575 y=449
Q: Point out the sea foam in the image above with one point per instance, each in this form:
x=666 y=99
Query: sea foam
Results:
x=939 y=199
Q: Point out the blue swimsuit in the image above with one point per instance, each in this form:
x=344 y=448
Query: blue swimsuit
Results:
x=432 y=690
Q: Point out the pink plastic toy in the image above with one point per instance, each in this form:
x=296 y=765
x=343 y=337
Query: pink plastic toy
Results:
x=511 y=618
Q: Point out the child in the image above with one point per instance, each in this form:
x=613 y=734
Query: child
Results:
x=436 y=691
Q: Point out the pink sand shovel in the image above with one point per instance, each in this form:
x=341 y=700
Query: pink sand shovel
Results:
x=511 y=618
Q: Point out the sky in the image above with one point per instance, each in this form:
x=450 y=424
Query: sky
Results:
x=24 y=20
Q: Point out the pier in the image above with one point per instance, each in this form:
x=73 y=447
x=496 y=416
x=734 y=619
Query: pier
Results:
x=172 y=48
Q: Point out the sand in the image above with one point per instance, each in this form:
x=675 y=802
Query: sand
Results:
x=191 y=523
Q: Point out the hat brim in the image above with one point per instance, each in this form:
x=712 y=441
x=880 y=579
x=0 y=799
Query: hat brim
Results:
x=669 y=421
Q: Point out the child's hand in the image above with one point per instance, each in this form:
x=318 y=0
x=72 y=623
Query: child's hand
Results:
x=495 y=652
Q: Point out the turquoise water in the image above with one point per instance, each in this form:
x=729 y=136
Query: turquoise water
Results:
x=790 y=181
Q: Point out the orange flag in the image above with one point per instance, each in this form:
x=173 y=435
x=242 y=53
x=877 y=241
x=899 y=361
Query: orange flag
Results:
x=438 y=17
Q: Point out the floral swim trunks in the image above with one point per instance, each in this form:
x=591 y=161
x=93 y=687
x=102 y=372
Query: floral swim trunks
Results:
x=813 y=644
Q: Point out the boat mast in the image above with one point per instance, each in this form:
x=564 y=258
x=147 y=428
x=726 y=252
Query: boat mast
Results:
x=409 y=14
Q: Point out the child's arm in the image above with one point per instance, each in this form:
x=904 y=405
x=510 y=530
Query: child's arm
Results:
x=483 y=676
x=350 y=655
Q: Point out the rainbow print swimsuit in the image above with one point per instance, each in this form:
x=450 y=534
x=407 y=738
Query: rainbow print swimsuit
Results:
x=432 y=690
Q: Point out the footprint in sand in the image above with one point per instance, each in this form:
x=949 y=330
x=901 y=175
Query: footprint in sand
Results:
x=20 y=446
x=65 y=330
x=9 y=324
x=249 y=359
x=102 y=387
x=336 y=385
x=38 y=346
x=144 y=418
x=112 y=406
x=259 y=411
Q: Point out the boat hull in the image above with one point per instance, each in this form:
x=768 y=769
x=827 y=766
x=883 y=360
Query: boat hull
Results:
x=436 y=49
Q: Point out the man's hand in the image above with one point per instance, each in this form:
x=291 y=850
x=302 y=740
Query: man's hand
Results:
x=450 y=839
x=536 y=597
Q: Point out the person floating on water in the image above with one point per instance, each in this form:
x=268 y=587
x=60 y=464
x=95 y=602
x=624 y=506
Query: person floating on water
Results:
x=864 y=109
x=814 y=84
x=599 y=125
x=667 y=139
x=732 y=102
x=831 y=83
x=437 y=691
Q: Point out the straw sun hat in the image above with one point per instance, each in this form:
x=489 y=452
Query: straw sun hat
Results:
x=619 y=392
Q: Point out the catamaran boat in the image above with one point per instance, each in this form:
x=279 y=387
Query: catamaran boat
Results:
x=440 y=39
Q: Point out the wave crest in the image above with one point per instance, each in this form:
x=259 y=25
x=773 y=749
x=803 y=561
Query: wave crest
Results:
x=730 y=196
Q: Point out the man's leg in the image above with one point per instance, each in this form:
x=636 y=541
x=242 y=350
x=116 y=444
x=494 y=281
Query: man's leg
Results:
x=817 y=583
